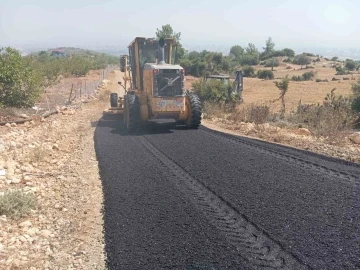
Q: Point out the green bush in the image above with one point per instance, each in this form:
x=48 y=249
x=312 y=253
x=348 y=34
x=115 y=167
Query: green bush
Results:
x=307 y=76
x=355 y=105
x=341 y=71
x=19 y=84
x=356 y=97
x=350 y=64
x=248 y=71
x=265 y=74
x=16 y=204
x=211 y=90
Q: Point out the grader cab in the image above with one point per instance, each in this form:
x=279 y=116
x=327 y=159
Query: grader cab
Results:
x=154 y=86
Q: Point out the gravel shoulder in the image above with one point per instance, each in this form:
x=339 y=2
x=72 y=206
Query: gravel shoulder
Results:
x=54 y=159
x=298 y=138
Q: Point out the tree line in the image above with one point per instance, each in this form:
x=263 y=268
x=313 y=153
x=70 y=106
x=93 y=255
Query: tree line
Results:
x=23 y=78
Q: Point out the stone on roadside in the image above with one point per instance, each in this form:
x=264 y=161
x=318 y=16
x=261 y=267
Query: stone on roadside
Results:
x=15 y=181
x=55 y=146
x=25 y=224
x=355 y=138
x=303 y=131
x=23 y=115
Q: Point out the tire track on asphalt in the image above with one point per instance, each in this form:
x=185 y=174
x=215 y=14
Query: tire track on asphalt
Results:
x=252 y=243
x=347 y=178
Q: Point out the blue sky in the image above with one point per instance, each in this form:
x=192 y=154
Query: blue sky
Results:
x=211 y=23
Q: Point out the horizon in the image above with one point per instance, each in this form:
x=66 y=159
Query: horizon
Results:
x=324 y=25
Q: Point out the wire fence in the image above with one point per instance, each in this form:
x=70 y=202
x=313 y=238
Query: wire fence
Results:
x=77 y=90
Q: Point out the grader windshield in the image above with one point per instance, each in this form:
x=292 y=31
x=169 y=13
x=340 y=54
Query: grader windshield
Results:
x=145 y=50
x=148 y=51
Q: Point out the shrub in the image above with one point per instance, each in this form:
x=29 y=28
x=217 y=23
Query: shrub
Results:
x=257 y=114
x=296 y=78
x=16 y=204
x=356 y=97
x=328 y=119
x=211 y=90
x=319 y=80
x=19 y=84
x=355 y=105
x=248 y=71
x=341 y=71
x=307 y=76
x=265 y=74
x=350 y=64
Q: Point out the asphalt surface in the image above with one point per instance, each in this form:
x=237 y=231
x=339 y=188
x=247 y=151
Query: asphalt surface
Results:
x=199 y=199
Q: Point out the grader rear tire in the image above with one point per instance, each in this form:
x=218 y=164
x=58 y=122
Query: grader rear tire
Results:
x=194 y=120
x=113 y=100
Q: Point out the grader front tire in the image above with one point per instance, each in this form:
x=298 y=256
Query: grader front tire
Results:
x=134 y=118
x=194 y=120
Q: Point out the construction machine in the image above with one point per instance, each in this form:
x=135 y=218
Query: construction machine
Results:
x=154 y=86
x=235 y=89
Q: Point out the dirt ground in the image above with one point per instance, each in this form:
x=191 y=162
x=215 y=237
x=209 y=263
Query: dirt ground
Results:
x=54 y=159
x=257 y=91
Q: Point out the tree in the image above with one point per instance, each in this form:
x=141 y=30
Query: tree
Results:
x=167 y=31
x=269 y=47
x=249 y=60
x=283 y=86
x=19 y=84
x=237 y=51
x=251 y=49
x=350 y=64
x=272 y=62
x=288 y=52
x=302 y=60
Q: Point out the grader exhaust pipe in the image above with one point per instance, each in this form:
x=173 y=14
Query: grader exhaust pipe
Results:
x=161 y=52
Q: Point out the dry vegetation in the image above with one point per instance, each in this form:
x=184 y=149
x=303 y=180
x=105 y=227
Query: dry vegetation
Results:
x=318 y=114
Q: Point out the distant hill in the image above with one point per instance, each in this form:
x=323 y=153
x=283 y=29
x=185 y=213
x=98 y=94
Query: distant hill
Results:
x=73 y=51
x=112 y=52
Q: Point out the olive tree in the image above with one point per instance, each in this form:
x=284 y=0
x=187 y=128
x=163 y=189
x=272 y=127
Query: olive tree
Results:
x=19 y=84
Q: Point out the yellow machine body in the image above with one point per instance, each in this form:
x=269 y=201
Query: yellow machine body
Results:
x=154 y=84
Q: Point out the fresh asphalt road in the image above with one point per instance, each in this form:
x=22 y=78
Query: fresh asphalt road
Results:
x=200 y=199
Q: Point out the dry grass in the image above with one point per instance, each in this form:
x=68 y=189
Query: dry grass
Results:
x=258 y=91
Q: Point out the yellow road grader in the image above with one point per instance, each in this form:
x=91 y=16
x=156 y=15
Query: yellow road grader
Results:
x=154 y=86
